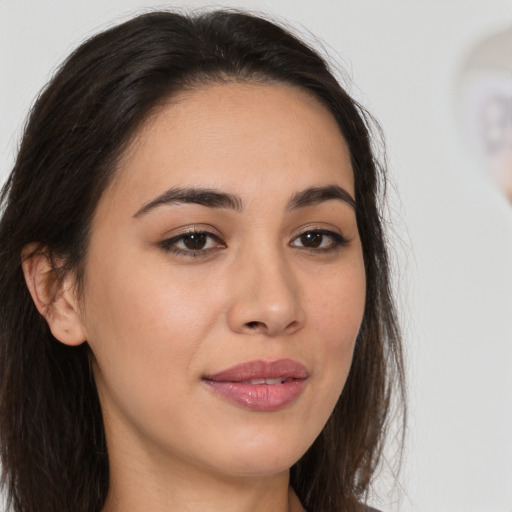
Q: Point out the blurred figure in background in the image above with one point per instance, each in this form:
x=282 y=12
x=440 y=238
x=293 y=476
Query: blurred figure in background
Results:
x=484 y=97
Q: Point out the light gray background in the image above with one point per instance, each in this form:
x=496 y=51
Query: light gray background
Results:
x=452 y=228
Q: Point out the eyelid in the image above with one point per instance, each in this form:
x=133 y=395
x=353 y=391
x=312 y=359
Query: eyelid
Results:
x=338 y=238
x=192 y=228
x=169 y=243
x=320 y=227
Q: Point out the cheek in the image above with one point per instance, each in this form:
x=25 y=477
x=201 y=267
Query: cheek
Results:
x=336 y=316
x=129 y=298
x=146 y=326
x=145 y=330
x=336 y=303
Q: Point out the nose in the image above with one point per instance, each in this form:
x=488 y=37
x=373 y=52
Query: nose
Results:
x=265 y=296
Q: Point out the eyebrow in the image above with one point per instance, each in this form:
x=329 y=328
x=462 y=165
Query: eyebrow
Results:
x=204 y=196
x=316 y=195
x=212 y=198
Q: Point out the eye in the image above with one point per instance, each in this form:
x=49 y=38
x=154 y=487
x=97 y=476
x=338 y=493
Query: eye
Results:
x=193 y=243
x=319 y=240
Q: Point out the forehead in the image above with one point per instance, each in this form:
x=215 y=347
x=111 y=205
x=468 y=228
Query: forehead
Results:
x=236 y=136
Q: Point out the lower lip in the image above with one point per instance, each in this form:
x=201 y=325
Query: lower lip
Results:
x=259 y=397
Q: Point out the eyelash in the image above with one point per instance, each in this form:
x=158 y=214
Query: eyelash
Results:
x=337 y=240
x=170 y=245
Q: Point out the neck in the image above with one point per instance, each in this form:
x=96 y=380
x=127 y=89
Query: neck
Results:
x=138 y=491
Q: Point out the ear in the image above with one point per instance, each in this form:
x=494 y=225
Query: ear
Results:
x=53 y=294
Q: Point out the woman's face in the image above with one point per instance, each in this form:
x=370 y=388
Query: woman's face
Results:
x=224 y=284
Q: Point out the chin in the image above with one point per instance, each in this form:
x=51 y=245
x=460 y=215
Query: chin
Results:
x=263 y=457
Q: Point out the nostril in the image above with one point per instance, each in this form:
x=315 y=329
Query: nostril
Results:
x=253 y=325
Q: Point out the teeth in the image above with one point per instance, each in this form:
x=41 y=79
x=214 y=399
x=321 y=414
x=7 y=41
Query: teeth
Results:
x=274 y=381
x=271 y=382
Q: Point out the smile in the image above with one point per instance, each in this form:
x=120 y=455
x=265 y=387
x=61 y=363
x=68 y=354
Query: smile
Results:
x=260 y=385
x=271 y=382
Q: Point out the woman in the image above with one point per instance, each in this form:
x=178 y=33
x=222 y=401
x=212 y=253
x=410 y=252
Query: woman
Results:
x=195 y=305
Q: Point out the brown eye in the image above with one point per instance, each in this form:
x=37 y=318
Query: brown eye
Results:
x=319 y=240
x=195 y=241
x=312 y=239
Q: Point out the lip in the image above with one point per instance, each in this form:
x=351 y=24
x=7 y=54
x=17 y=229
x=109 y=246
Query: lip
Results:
x=287 y=381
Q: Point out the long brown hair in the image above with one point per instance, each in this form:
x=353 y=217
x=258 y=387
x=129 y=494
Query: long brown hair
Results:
x=52 y=441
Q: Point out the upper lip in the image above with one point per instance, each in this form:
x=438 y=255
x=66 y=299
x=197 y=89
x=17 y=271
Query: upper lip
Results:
x=282 y=368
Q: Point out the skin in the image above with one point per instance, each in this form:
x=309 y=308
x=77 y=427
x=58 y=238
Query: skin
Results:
x=158 y=318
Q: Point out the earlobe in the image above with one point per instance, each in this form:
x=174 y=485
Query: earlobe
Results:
x=53 y=295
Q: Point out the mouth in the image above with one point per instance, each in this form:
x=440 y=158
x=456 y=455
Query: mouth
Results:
x=260 y=385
